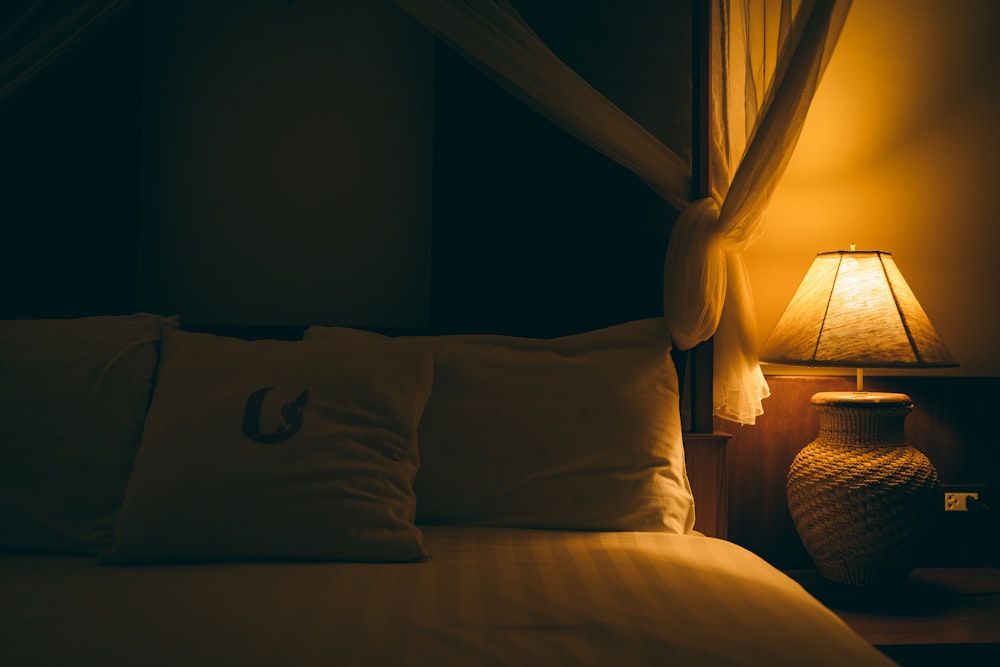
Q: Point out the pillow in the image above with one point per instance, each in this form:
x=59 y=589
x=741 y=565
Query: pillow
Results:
x=276 y=450
x=580 y=432
x=73 y=397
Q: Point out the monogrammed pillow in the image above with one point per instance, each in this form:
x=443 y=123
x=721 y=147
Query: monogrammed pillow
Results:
x=280 y=450
x=73 y=397
x=578 y=432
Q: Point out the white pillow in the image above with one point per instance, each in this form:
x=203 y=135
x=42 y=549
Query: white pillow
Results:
x=578 y=432
x=73 y=397
x=282 y=450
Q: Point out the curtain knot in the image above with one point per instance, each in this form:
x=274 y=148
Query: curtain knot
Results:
x=694 y=275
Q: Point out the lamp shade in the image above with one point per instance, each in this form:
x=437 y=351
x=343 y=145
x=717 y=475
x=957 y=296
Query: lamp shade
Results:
x=854 y=309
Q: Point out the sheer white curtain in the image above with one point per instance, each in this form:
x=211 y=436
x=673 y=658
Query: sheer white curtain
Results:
x=767 y=58
x=494 y=37
x=36 y=33
x=766 y=64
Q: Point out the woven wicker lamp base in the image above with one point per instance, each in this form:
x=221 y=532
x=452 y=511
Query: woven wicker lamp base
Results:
x=859 y=494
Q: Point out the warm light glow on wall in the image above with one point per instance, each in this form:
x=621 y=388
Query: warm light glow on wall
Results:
x=899 y=152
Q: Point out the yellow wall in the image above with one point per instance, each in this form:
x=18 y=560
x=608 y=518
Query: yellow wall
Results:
x=899 y=154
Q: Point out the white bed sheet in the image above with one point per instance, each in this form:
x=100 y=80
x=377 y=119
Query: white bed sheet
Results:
x=487 y=597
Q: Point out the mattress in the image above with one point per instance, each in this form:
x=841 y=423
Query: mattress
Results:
x=486 y=596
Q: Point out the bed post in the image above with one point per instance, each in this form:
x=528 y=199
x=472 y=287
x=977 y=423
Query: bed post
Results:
x=700 y=362
x=705 y=449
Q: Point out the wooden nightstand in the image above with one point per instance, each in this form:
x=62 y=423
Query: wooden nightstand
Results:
x=945 y=616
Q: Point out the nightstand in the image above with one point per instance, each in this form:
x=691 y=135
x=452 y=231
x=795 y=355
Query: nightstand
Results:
x=944 y=616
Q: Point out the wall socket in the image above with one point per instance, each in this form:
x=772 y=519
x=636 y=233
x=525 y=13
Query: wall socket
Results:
x=958 y=501
x=963 y=498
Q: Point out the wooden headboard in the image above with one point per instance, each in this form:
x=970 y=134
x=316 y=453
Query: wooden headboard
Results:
x=533 y=233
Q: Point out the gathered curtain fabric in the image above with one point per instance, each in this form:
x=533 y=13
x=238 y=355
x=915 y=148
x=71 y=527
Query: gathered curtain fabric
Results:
x=36 y=33
x=767 y=57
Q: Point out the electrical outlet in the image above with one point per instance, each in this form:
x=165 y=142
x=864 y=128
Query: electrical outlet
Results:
x=957 y=501
x=972 y=498
x=963 y=531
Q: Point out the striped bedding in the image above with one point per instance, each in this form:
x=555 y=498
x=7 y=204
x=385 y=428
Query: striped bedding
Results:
x=487 y=596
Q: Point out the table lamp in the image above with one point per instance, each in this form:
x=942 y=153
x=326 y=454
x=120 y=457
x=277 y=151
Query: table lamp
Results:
x=858 y=494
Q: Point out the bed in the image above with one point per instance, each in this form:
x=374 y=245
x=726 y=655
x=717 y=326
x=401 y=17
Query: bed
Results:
x=171 y=497
x=488 y=596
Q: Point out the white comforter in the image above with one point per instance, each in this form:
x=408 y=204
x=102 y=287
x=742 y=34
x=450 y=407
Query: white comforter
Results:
x=487 y=597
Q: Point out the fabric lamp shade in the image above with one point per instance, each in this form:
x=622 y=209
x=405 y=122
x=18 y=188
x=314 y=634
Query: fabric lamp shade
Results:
x=854 y=309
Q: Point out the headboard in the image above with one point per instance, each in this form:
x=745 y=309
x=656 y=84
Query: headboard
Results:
x=533 y=233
